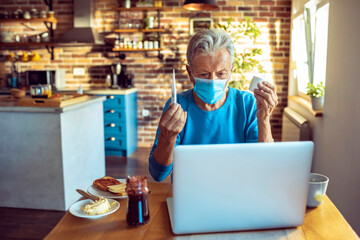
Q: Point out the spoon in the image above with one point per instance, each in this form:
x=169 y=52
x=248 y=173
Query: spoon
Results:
x=87 y=195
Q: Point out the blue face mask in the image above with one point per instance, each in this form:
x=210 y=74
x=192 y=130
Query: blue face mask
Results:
x=210 y=91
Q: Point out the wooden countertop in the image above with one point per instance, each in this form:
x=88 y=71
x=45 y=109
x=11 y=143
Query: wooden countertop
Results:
x=10 y=104
x=323 y=222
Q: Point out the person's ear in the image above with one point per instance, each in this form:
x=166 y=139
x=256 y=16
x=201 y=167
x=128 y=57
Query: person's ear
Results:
x=190 y=75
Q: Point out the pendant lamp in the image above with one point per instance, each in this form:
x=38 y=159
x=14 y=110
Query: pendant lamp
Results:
x=200 y=5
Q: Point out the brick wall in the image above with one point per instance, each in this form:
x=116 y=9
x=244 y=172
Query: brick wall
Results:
x=152 y=75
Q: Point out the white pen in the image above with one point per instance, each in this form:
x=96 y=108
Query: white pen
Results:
x=173 y=89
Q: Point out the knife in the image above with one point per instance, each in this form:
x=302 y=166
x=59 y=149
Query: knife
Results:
x=173 y=89
x=87 y=195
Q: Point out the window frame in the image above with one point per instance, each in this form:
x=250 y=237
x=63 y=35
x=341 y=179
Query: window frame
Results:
x=298 y=8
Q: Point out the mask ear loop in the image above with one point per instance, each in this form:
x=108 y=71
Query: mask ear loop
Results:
x=227 y=82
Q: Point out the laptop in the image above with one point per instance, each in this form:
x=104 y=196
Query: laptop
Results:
x=231 y=187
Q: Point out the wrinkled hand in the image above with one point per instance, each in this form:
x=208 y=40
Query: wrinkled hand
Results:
x=266 y=100
x=172 y=122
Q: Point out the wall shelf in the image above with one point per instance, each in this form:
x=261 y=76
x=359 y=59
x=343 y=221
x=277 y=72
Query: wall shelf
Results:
x=48 y=22
x=136 y=9
x=138 y=30
x=33 y=20
x=158 y=30
x=135 y=50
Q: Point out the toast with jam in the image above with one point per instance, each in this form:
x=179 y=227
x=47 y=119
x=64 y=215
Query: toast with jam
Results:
x=104 y=182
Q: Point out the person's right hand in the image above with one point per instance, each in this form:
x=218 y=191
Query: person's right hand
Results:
x=172 y=122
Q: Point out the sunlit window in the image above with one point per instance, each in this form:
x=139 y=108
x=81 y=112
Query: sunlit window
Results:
x=309 y=46
x=321 y=34
x=299 y=53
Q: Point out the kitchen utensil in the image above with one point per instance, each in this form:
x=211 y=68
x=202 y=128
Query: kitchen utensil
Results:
x=6 y=37
x=34 y=13
x=45 y=37
x=118 y=68
x=40 y=91
x=17 y=93
x=4 y=15
x=35 y=38
x=24 y=57
x=27 y=15
x=127 y=4
x=51 y=14
x=11 y=57
x=108 y=81
x=43 y=14
x=35 y=56
x=87 y=195
x=116 y=71
x=129 y=83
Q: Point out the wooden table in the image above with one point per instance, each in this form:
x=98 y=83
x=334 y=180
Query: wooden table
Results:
x=323 y=222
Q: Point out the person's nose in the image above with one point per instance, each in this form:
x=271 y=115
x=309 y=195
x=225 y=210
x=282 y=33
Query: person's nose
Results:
x=212 y=76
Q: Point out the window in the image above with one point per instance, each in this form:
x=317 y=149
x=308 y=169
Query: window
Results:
x=309 y=46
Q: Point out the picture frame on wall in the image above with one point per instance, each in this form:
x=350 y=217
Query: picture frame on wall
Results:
x=197 y=24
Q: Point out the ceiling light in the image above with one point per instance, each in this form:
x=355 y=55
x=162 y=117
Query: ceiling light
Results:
x=200 y=5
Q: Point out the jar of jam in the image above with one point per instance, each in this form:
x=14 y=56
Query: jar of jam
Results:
x=138 y=206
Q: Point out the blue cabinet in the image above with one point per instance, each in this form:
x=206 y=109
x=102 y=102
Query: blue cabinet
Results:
x=120 y=123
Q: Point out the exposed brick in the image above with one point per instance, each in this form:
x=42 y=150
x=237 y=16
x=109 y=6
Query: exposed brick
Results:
x=153 y=76
x=244 y=8
x=231 y=8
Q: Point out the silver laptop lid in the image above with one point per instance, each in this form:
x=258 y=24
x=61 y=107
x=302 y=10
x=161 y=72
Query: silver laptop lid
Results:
x=229 y=187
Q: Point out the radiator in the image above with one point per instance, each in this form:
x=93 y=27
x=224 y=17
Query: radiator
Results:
x=294 y=126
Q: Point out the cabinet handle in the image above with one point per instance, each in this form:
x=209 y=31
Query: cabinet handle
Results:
x=111 y=124
x=111 y=97
x=112 y=139
x=110 y=111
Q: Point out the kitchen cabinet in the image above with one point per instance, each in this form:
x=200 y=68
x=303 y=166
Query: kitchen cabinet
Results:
x=145 y=32
x=120 y=121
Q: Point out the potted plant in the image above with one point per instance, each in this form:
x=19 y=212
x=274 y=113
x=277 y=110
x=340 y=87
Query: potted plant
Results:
x=316 y=93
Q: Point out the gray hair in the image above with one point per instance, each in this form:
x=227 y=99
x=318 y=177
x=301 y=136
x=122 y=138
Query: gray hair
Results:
x=208 y=41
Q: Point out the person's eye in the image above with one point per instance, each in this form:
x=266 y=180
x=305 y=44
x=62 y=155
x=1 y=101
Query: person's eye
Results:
x=203 y=75
x=222 y=74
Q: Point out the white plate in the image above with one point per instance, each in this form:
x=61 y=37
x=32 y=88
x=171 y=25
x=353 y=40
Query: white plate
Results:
x=100 y=193
x=75 y=209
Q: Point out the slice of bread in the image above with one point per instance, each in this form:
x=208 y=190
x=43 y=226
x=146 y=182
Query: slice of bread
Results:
x=104 y=182
x=119 y=189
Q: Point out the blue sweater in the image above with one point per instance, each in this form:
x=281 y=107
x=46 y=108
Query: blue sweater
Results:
x=234 y=122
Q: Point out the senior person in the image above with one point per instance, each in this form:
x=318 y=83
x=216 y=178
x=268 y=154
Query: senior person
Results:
x=211 y=112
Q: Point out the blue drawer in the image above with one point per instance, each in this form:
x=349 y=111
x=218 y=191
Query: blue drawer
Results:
x=114 y=127
x=113 y=101
x=115 y=114
x=115 y=142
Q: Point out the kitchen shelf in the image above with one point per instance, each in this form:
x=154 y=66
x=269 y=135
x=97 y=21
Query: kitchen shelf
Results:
x=158 y=30
x=49 y=20
x=25 y=44
x=136 y=50
x=138 y=30
x=137 y=9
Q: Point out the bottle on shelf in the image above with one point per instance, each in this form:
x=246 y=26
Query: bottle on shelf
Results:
x=14 y=76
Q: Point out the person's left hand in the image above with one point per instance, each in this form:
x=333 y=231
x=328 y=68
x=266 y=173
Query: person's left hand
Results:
x=266 y=100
